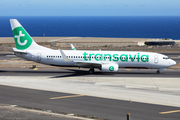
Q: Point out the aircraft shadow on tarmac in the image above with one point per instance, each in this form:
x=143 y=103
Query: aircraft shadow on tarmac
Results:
x=75 y=73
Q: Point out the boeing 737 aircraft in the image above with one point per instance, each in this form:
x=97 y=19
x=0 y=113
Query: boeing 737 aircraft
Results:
x=106 y=61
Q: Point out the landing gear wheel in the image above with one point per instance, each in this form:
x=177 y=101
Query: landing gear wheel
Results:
x=91 y=71
x=158 y=72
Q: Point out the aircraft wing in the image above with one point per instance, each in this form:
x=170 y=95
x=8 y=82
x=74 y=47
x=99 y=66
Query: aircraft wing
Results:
x=88 y=63
x=64 y=56
x=82 y=63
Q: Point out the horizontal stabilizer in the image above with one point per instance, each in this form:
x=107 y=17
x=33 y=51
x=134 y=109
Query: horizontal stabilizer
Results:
x=19 y=51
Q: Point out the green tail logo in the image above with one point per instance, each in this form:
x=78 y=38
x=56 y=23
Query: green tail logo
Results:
x=22 y=38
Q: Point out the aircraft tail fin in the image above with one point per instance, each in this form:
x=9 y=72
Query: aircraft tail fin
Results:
x=22 y=39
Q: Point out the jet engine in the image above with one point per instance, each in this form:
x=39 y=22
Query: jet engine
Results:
x=109 y=68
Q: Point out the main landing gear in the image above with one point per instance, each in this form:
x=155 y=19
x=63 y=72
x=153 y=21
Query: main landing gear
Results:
x=158 y=72
x=91 y=70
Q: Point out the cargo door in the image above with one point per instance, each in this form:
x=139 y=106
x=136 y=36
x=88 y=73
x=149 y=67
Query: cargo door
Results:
x=39 y=57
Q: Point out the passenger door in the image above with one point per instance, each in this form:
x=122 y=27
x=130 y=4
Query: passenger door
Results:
x=156 y=59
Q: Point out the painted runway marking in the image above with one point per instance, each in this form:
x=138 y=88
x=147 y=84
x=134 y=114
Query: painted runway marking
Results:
x=14 y=58
x=167 y=112
x=170 y=70
x=66 y=96
x=128 y=69
x=35 y=69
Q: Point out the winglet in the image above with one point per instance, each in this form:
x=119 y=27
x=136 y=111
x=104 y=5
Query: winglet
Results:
x=65 y=58
x=72 y=46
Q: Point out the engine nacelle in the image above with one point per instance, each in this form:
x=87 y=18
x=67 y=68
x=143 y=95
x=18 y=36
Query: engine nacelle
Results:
x=109 y=67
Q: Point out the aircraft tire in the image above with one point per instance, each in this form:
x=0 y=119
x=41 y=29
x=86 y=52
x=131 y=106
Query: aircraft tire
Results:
x=158 y=72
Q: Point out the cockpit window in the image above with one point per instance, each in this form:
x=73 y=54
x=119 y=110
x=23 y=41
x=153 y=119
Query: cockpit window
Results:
x=166 y=58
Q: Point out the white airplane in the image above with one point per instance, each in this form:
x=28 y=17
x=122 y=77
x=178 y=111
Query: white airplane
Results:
x=106 y=61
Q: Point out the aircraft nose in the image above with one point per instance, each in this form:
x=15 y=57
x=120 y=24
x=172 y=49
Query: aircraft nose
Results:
x=173 y=62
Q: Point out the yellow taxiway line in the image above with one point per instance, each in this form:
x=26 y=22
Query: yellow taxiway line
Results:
x=167 y=112
x=128 y=69
x=35 y=69
x=170 y=70
x=66 y=96
x=14 y=58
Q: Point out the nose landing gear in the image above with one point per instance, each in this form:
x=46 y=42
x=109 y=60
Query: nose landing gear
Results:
x=158 y=71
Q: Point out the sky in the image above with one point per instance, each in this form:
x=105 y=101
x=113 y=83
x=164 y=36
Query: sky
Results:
x=89 y=7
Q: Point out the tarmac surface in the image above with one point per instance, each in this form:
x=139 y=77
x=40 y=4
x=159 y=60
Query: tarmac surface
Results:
x=143 y=94
x=86 y=106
